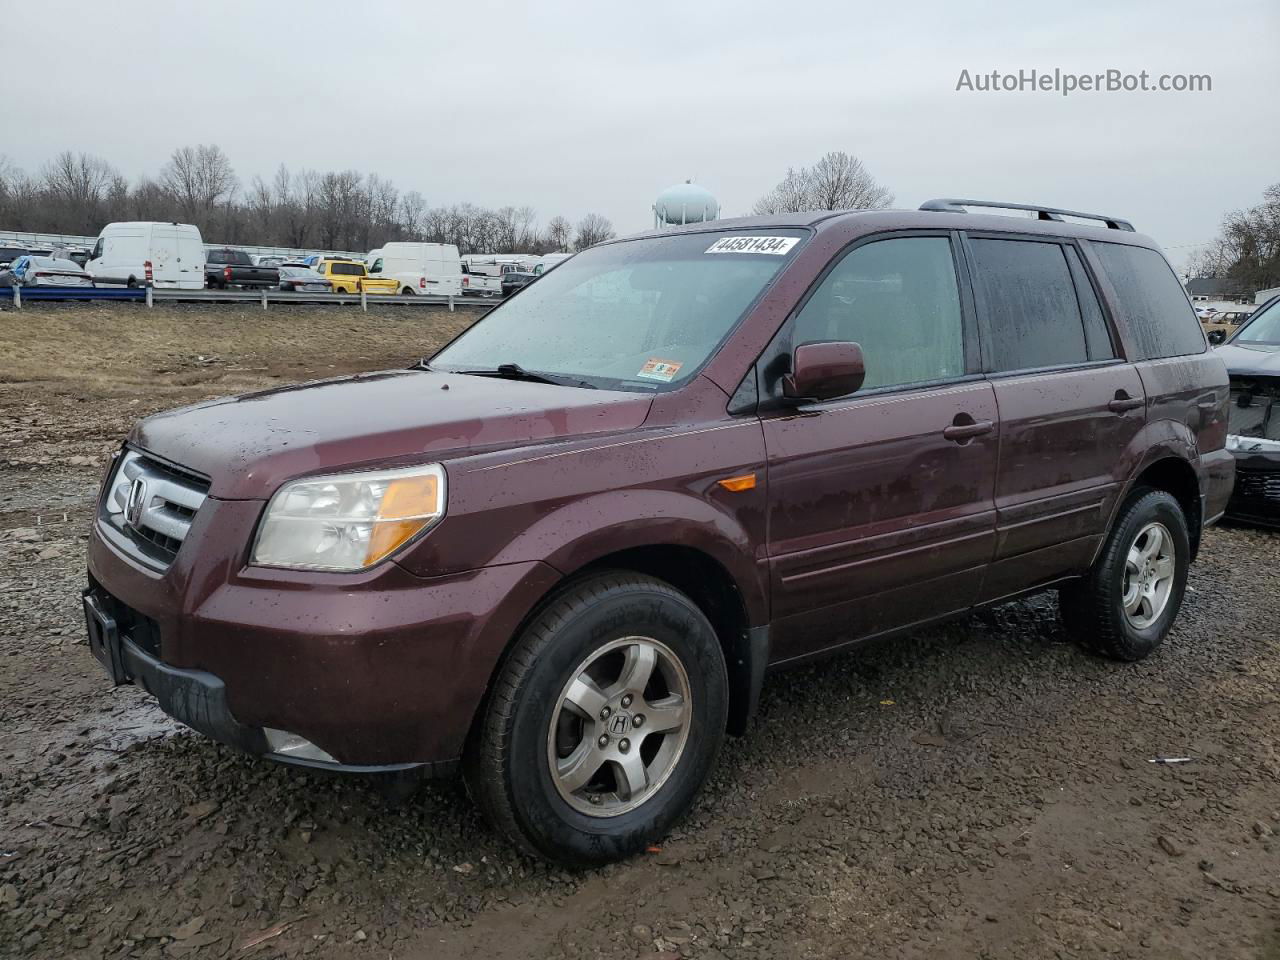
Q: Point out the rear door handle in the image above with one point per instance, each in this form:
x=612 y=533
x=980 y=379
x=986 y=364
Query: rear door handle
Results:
x=1124 y=402
x=962 y=432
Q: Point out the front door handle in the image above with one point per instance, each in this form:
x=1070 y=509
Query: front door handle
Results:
x=1123 y=402
x=966 y=428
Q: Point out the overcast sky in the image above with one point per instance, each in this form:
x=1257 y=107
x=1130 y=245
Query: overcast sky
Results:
x=597 y=106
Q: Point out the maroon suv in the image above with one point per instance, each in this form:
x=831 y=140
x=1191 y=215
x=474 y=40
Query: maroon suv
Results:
x=565 y=550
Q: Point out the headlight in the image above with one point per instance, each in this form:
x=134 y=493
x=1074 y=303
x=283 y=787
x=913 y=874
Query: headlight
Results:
x=348 y=521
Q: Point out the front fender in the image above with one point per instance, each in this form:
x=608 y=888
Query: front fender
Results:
x=587 y=530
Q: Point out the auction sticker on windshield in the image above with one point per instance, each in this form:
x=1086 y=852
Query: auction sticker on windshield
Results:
x=775 y=245
x=655 y=369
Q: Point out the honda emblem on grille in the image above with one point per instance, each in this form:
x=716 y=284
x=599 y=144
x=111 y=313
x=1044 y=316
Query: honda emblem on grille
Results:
x=136 y=503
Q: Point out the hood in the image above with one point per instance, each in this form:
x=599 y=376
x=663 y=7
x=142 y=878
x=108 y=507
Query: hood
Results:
x=249 y=445
x=1251 y=359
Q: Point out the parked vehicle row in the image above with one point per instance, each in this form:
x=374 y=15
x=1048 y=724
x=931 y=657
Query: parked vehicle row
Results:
x=173 y=256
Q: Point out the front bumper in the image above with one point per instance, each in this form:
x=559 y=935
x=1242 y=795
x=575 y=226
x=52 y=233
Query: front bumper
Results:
x=381 y=669
x=1256 y=496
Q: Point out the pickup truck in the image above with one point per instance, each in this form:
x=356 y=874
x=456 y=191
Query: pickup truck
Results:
x=479 y=281
x=224 y=267
x=352 y=276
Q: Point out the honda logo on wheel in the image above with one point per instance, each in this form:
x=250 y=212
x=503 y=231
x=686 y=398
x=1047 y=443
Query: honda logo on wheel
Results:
x=619 y=725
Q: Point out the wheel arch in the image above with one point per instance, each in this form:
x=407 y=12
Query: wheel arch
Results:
x=1167 y=466
x=709 y=585
x=1177 y=477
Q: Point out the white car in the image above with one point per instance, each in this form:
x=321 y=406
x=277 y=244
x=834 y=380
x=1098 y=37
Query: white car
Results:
x=29 y=271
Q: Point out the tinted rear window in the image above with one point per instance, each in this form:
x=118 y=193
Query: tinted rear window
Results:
x=1030 y=303
x=1151 y=301
x=347 y=269
x=228 y=256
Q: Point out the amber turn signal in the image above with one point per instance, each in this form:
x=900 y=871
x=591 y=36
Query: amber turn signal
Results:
x=737 y=484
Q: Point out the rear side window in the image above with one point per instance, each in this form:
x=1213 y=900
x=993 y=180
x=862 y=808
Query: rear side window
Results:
x=1097 y=336
x=1029 y=299
x=898 y=299
x=347 y=269
x=1151 y=301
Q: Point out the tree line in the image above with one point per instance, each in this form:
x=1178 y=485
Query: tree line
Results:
x=1246 y=252
x=77 y=193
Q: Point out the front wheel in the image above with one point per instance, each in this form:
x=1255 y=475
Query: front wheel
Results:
x=1127 y=603
x=603 y=722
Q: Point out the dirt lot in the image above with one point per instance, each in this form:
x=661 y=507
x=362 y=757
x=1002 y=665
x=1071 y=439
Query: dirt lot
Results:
x=978 y=790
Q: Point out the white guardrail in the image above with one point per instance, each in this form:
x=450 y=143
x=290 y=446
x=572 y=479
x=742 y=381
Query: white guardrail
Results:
x=150 y=296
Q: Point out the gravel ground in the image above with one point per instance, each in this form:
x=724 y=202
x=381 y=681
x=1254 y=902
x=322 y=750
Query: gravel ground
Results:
x=977 y=790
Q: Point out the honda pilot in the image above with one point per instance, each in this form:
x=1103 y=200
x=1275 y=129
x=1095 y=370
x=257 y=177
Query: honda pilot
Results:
x=562 y=554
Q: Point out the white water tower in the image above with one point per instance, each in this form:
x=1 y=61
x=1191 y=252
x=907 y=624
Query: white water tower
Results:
x=684 y=203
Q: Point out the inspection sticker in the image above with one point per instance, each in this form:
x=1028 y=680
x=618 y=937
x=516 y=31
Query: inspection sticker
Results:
x=664 y=370
x=775 y=245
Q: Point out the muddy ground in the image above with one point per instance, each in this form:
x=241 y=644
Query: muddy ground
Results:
x=977 y=790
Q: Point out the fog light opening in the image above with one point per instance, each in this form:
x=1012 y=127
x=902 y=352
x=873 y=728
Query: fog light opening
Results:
x=288 y=744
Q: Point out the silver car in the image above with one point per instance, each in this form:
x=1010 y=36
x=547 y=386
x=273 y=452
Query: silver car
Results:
x=302 y=280
x=30 y=271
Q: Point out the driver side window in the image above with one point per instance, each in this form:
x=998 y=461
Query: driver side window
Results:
x=899 y=299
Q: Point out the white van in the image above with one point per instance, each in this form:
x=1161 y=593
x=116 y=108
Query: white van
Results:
x=432 y=269
x=549 y=260
x=171 y=255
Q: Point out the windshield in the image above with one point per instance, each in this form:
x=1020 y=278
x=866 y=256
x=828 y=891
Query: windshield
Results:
x=637 y=315
x=1263 y=326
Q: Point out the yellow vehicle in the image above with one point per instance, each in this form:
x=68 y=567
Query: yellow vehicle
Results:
x=350 y=276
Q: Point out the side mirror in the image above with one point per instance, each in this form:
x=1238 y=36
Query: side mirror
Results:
x=824 y=370
x=1216 y=337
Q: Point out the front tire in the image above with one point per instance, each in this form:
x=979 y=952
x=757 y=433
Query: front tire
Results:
x=1127 y=603
x=603 y=722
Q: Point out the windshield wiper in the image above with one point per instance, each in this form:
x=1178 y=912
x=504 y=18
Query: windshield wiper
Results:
x=513 y=371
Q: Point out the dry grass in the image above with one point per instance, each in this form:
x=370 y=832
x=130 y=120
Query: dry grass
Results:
x=121 y=346
x=75 y=377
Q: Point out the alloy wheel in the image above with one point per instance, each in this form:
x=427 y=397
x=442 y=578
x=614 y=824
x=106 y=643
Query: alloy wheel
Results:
x=619 y=727
x=1148 y=575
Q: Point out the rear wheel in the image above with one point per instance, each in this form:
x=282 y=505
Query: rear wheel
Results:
x=1127 y=604
x=603 y=723
x=407 y=292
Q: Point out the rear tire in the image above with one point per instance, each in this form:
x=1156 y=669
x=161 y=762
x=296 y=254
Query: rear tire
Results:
x=1127 y=603
x=407 y=292
x=586 y=785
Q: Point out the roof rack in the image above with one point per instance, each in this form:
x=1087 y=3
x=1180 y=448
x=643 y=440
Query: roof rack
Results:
x=948 y=205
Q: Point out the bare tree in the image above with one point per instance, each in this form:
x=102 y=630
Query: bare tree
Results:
x=838 y=181
x=593 y=229
x=789 y=196
x=559 y=234
x=343 y=210
x=262 y=208
x=1246 y=252
x=413 y=214
x=76 y=185
x=199 y=179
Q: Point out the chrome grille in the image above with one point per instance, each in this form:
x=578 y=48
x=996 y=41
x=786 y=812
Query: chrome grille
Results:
x=150 y=505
